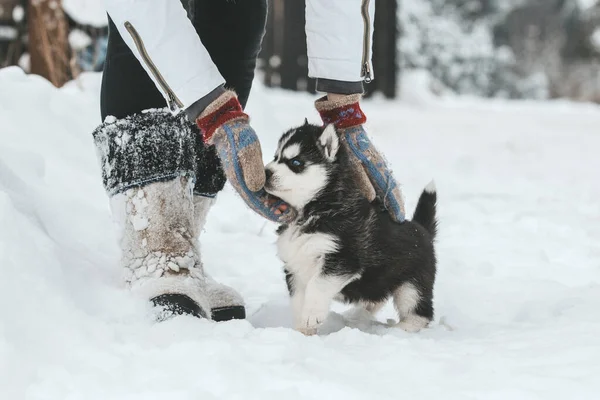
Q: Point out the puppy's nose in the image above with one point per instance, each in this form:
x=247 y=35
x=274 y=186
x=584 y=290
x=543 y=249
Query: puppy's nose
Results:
x=268 y=174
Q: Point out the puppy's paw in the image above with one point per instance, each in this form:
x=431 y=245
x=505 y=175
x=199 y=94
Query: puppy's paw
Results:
x=413 y=323
x=307 y=331
x=310 y=321
x=408 y=327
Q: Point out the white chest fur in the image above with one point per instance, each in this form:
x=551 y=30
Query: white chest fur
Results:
x=303 y=253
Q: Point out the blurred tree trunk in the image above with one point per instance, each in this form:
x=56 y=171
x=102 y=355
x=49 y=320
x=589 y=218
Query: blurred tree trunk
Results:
x=48 y=40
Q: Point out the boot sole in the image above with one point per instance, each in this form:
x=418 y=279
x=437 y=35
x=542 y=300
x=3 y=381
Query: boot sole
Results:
x=173 y=304
x=228 y=313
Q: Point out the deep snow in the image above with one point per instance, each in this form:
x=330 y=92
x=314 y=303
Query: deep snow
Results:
x=517 y=294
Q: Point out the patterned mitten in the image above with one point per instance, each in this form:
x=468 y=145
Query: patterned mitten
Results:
x=370 y=169
x=225 y=125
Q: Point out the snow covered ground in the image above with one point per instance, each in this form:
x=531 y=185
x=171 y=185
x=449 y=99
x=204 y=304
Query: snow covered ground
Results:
x=517 y=296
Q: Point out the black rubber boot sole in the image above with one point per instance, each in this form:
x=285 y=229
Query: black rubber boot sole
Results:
x=228 y=313
x=172 y=304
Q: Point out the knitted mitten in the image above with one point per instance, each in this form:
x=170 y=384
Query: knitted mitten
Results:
x=371 y=171
x=225 y=125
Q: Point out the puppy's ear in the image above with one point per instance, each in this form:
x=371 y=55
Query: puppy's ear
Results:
x=305 y=121
x=330 y=142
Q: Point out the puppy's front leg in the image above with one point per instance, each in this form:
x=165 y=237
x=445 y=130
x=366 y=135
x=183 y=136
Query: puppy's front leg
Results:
x=297 y=301
x=320 y=291
x=296 y=290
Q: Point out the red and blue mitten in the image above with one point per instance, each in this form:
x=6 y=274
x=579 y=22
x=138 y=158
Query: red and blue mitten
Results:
x=370 y=169
x=224 y=125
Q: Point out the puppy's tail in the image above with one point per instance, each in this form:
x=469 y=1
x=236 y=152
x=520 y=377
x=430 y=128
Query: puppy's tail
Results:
x=425 y=211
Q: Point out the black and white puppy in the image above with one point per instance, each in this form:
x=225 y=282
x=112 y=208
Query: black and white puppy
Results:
x=341 y=246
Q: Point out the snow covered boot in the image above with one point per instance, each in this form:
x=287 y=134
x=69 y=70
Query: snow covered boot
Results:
x=149 y=165
x=225 y=303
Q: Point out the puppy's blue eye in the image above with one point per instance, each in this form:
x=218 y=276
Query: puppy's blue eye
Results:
x=295 y=162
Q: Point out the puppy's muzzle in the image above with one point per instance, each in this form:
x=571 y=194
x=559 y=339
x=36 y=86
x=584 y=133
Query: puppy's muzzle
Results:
x=268 y=179
x=268 y=174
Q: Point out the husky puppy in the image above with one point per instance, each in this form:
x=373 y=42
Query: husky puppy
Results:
x=341 y=246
